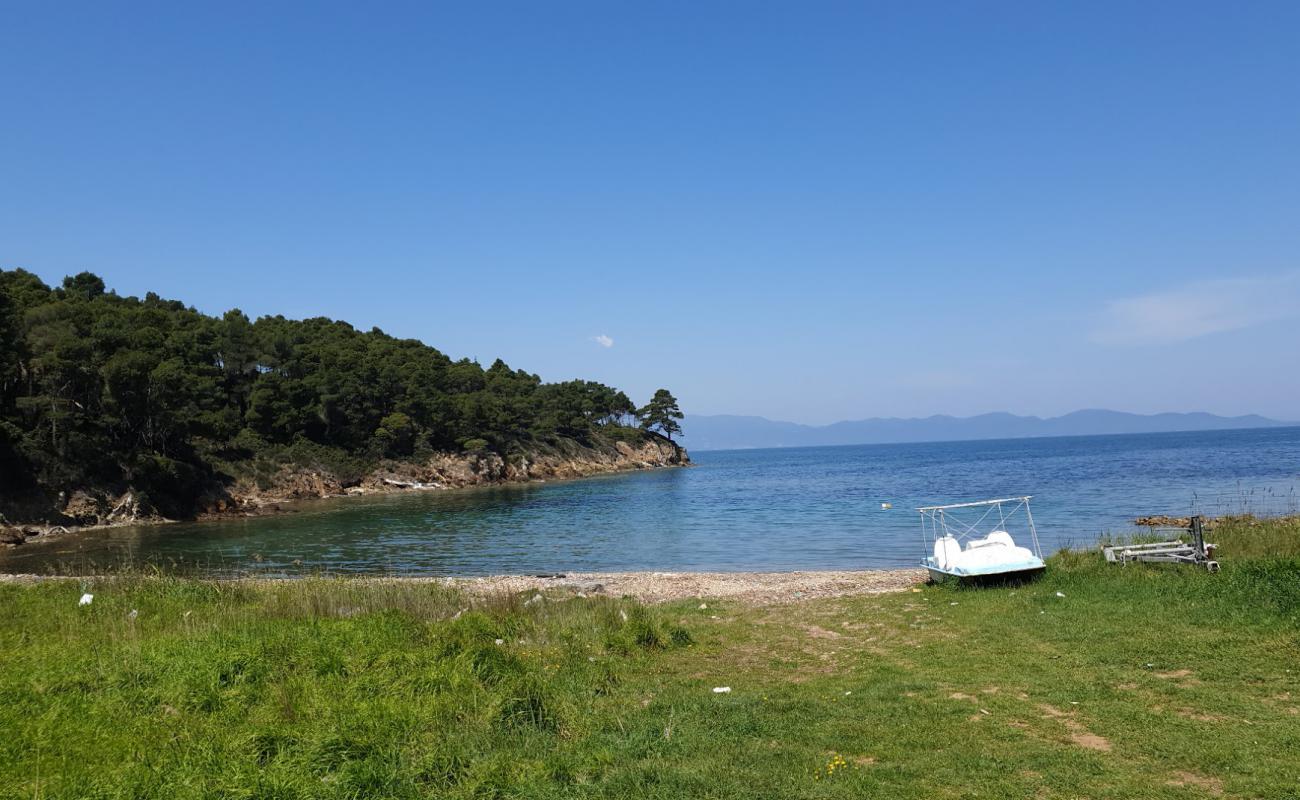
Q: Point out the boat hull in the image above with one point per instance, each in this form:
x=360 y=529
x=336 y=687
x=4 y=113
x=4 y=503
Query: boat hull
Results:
x=1009 y=576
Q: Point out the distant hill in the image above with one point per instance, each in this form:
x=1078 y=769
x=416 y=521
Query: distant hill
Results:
x=728 y=432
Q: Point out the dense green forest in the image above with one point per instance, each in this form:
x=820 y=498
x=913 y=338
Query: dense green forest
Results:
x=102 y=390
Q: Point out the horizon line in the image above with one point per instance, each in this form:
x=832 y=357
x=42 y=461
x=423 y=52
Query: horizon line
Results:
x=988 y=439
x=1279 y=422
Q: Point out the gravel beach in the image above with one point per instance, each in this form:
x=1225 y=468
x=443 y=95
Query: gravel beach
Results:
x=757 y=588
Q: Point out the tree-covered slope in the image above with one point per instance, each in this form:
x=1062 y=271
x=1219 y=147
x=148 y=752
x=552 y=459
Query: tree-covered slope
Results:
x=98 y=390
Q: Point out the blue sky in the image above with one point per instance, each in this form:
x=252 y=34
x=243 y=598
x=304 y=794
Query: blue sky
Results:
x=808 y=211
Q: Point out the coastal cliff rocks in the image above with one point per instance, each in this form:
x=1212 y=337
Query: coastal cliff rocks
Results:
x=12 y=536
x=87 y=508
x=465 y=469
x=297 y=484
x=592 y=461
x=263 y=493
x=83 y=509
x=446 y=471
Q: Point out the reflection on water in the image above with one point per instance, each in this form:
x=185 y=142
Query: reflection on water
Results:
x=738 y=510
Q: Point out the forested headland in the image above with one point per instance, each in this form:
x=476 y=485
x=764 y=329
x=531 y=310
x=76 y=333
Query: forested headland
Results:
x=149 y=396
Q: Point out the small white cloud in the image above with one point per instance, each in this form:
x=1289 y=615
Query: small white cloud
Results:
x=603 y=340
x=1199 y=309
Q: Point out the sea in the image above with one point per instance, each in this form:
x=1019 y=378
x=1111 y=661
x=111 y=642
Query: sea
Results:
x=849 y=507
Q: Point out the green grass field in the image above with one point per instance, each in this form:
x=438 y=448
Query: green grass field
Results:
x=1139 y=682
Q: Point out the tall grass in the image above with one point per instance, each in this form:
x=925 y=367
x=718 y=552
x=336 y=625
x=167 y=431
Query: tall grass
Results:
x=1249 y=536
x=173 y=688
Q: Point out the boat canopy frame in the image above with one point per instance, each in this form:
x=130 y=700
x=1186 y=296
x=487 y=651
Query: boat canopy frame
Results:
x=937 y=522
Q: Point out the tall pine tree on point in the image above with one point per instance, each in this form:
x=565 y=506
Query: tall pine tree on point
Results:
x=662 y=412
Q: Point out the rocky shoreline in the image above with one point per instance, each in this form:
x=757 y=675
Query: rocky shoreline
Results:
x=246 y=497
x=749 y=588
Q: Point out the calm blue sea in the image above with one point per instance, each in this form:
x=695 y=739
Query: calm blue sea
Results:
x=799 y=508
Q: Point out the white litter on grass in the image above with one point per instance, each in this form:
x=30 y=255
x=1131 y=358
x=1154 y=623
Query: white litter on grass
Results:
x=501 y=641
x=622 y=615
x=846 y=694
x=703 y=606
x=1060 y=594
x=133 y=615
x=85 y=599
x=722 y=690
x=537 y=598
x=952 y=604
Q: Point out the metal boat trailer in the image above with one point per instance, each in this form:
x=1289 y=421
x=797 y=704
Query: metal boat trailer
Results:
x=1172 y=552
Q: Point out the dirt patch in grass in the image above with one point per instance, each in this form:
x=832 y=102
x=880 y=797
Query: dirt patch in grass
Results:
x=818 y=632
x=1179 y=677
x=1174 y=674
x=1079 y=734
x=1184 y=778
x=1090 y=741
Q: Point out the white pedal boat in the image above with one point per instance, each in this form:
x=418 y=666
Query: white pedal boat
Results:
x=957 y=551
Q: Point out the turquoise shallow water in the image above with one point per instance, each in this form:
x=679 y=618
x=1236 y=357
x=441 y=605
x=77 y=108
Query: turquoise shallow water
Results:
x=801 y=508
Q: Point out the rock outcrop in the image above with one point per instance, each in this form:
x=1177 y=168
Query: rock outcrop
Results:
x=447 y=471
x=100 y=508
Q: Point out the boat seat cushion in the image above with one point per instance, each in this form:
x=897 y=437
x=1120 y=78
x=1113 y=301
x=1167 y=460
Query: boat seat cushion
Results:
x=946 y=551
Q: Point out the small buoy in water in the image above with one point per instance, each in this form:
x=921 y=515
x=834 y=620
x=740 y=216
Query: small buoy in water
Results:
x=886 y=505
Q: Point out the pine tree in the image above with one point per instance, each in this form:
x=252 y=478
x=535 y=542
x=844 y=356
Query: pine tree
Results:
x=662 y=412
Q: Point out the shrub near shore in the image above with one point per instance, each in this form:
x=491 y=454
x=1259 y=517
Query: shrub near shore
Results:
x=1098 y=681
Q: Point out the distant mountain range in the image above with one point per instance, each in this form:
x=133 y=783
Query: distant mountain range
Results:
x=729 y=432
